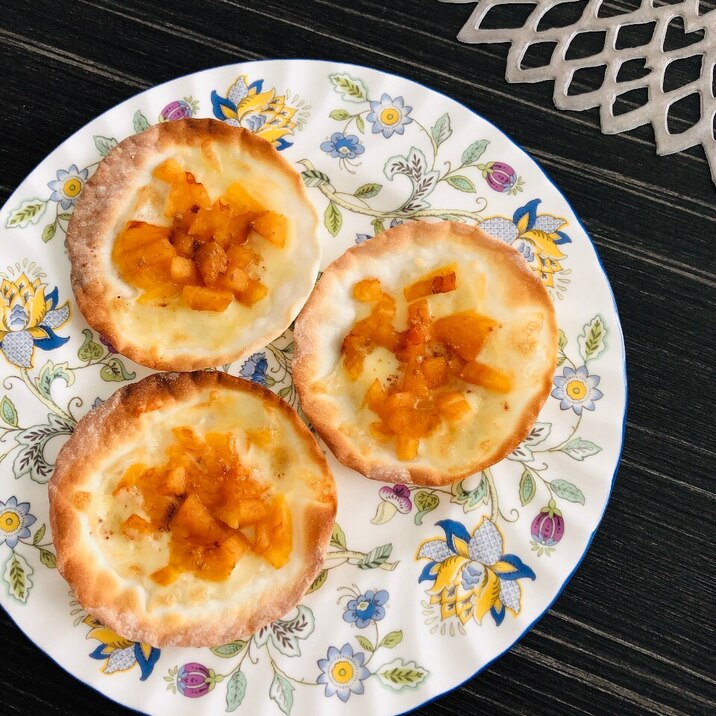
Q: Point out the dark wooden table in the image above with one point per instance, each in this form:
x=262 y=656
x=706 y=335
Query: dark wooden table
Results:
x=633 y=632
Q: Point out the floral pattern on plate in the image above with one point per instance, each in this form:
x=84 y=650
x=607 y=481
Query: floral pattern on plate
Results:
x=421 y=586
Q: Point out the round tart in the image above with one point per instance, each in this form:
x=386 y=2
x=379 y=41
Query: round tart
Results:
x=191 y=509
x=426 y=353
x=184 y=245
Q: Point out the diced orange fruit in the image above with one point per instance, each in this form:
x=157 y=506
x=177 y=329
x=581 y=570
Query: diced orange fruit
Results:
x=183 y=270
x=242 y=201
x=435 y=371
x=212 y=262
x=235 y=279
x=166 y=575
x=435 y=356
x=487 y=377
x=442 y=280
x=253 y=292
x=274 y=534
x=406 y=447
x=206 y=299
x=368 y=290
x=169 y=171
x=465 y=332
x=207 y=245
x=271 y=226
x=452 y=405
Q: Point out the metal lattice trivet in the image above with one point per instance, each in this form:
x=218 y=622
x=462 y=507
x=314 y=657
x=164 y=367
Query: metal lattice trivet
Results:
x=561 y=70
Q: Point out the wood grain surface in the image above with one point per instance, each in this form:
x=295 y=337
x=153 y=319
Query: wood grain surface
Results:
x=633 y=632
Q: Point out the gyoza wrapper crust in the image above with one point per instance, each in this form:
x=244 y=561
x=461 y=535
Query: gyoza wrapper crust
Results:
x=122 y=607
x=91 y=234
x=334 y=288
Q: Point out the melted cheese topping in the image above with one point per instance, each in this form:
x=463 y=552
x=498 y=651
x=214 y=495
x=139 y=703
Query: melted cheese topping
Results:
x=177 y=330
x=521 y=347
x=285 y=463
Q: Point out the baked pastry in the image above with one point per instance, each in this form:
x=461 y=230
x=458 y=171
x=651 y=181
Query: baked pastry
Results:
x=184 y=245
x=426 y=353
x=191 y=509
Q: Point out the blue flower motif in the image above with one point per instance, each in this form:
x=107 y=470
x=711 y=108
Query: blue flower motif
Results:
x=389 y=116
x=341 y=146
x=343 y=672
x=68 y=185
x=471 y=574
x=254 y=368
x=366 y=608
x=15 y=519
x=576 y=389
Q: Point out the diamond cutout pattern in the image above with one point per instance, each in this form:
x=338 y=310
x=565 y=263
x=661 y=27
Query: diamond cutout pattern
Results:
x=655 y=33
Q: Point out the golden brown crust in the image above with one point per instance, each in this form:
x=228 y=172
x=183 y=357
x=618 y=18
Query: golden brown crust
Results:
x=120 y=604
x=91 y=230
x=325 y=415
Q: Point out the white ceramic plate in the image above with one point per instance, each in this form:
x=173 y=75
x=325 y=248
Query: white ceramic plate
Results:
x=374 y=149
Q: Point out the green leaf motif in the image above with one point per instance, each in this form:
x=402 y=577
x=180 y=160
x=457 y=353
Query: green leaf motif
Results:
x=338 y=537
x=384 y=513
x=349 y=88
x=281 y=692
x=567 y=491
x=561 y=339
x=578 y=449
x=399 y=675
x=313 y=178
x=140 y=122
x=593 y=340
x=462 y=183
x=90 y=349
x=539 y=433
x=365 y=644
x=51 y=372
x=319 y=581
x=285 y=634
x=376 y=557
x=39 y=534
x=360 y=124
x=378 y=226
x=29 y=212
x=17 y=577
x=441 y=130
x=333 y=219
x=425 y=502
x=475 y=151
x=113 y=371
x=284 y=391
x=528 y=488
x=64 y=215
x=48 y=232
x=30 y=460
x=391 y=640
x=235 y=690
x=104 y=144
x=339 y=115
x=367 y=191
x=226 y=651
x=469 y=499
x=8 y=411
x=48 y=558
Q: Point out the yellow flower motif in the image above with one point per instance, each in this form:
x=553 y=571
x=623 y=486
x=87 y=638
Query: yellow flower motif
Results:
x=28 y=318
x=536 y=236
x=470 y=573
x=264 y=113
x=118 y=653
